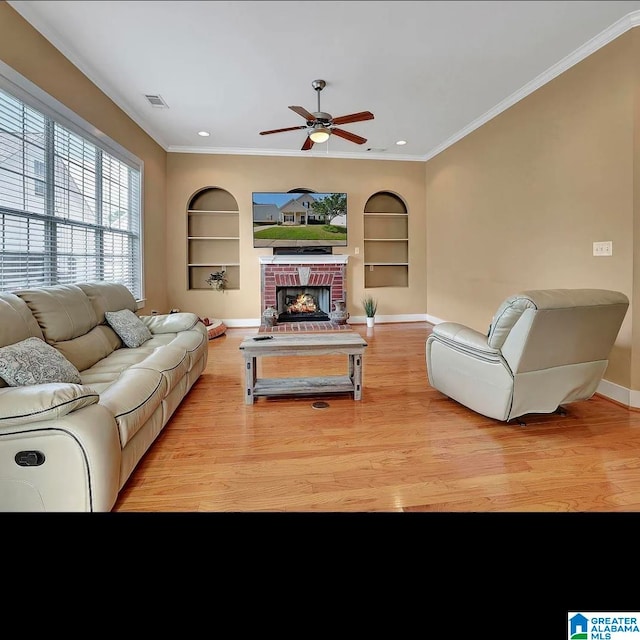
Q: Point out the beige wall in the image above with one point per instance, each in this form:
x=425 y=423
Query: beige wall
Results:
x=517 y=204
x=31 y=55
x=242 y=175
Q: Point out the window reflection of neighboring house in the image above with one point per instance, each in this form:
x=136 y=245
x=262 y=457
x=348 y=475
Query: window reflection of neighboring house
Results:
x=23 y=188
x=70 y=201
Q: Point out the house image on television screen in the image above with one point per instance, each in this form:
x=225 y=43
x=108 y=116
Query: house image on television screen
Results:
x=299 y=220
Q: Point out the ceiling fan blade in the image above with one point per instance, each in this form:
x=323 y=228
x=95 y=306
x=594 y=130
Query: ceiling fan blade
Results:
x=351 y=137
x=354 y=117
x=308 y=143
x=264 y=133
x=301 y=111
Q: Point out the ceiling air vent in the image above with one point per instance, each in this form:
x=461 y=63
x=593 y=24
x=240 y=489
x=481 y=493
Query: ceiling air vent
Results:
x=156 y=101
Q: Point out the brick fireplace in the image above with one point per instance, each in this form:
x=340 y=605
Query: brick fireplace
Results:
x=326 y=273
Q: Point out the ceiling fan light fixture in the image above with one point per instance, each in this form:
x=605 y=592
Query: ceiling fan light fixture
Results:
x=320 y=134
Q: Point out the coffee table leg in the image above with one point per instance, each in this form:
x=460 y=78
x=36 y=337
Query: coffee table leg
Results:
x=250 y=378
x=357 y=375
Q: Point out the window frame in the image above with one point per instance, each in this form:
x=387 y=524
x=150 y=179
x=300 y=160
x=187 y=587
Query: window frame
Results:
x=34 y=97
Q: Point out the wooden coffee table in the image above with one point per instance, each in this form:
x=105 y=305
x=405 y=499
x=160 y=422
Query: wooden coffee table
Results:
x=311 y=344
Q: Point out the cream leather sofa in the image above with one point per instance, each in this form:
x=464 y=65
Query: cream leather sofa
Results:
x=544 y=348
x=72 y=447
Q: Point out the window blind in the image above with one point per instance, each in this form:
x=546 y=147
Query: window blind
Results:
x=70 y=211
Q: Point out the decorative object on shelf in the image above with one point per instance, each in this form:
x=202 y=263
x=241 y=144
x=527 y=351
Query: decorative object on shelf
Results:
x=340 y=315
x=217 y=280
x=370 y=305
x=270 y=316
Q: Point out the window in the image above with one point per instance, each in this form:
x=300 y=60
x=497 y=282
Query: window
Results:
x=70 y=211
x=39 y=172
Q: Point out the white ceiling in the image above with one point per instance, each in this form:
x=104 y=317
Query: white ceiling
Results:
x=430 y=72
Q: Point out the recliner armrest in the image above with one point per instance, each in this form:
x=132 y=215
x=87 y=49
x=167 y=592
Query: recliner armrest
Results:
x=458 y=336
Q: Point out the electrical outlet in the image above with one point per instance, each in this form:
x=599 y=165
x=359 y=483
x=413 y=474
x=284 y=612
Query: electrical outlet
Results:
x=603 y=248
x=356 y=250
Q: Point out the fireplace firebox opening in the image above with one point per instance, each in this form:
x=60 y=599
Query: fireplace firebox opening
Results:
x=303 y=304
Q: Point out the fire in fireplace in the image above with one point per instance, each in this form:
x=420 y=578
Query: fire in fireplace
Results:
x=302 y=305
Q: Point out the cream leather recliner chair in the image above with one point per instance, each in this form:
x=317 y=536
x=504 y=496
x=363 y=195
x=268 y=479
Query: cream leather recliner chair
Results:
x=544 y=348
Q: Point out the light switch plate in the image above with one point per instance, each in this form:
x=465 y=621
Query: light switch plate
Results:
x=603 y=248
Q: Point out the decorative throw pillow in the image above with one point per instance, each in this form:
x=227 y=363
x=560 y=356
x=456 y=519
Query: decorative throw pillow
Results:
x=33 y=361
x=132 y=331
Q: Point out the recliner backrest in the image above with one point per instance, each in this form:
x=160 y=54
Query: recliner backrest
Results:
x=560 y=327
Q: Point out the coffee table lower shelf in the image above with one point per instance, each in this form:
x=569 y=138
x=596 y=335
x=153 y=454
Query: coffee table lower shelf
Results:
x=303 y=386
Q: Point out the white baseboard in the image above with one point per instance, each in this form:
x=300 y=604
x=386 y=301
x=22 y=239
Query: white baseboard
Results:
x=241 y=323
x=627 y=397
x=415 y=317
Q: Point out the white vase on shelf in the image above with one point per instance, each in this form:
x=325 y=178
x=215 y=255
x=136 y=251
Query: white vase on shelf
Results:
x=371 y=320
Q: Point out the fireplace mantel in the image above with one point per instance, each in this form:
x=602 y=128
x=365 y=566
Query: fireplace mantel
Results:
x=304 y=259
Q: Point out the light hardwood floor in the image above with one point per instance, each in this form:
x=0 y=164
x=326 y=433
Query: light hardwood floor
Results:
x=403 y=447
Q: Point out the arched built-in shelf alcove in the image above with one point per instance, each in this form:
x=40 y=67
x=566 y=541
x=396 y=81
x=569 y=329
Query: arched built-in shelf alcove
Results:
x=213 y=238
x=386 y=241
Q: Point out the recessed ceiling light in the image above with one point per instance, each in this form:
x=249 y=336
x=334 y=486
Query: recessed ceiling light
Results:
x=204 y=134
x=401 y=142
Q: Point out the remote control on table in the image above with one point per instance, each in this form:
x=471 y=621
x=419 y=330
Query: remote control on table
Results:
x=263 y=337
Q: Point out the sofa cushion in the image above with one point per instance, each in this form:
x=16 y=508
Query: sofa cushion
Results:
x=33 y=361
x=172 y=362
x=132 y=399
x=84 y=351
x=63 y=311
x=16 y=320
x=132 y=331
x=43 y=402
x=108 y=296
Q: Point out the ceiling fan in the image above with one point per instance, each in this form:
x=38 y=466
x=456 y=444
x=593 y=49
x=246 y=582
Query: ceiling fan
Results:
x=320 y=125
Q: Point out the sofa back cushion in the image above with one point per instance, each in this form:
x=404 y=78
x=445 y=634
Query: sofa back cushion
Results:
x=108 y=296
x=84 y=351
x=63 y=311
x=16 y=322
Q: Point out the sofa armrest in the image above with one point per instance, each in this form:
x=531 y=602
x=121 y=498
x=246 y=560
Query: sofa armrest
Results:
x=51 y=401
x=171 y=322
x=465 y=339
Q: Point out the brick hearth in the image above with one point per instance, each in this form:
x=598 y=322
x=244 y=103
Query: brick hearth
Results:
x=304 y=327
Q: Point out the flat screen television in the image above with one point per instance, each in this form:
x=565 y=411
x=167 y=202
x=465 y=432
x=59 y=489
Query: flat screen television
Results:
x=303 y=220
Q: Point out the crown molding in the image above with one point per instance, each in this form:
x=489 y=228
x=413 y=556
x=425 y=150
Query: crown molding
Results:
x=293 y=153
